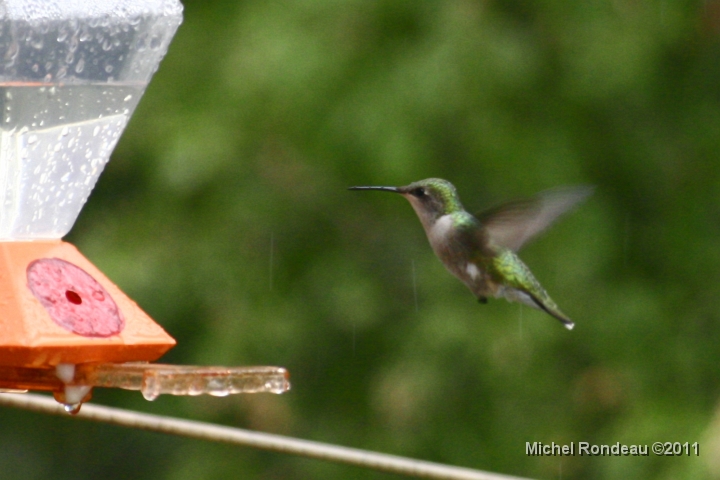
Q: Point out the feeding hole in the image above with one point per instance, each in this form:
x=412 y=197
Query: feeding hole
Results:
x=73 y=297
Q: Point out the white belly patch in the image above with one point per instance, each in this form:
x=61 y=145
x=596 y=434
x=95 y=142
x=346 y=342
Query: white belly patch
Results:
x=472 y=270
x=441 y=228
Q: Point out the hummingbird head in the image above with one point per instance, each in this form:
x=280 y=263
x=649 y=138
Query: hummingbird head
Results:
x=430 y=198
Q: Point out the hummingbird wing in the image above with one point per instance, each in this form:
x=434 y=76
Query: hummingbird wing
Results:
x=513 y=223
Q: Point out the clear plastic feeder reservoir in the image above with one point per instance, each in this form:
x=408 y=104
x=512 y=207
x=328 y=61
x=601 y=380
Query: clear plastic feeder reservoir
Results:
x=71 y=74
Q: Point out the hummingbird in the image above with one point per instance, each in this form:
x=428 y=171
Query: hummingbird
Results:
x=481 y=250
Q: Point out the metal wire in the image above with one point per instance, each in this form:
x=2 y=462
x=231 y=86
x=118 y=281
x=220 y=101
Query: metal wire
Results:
x=265 y=441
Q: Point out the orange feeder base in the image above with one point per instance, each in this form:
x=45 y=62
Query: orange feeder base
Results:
x=64 y=327
x=57 y=308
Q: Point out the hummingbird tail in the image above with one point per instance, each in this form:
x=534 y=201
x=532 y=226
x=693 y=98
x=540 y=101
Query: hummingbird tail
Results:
x=567 y=323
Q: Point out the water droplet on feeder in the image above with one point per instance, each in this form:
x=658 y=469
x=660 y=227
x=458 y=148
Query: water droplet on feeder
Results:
x=72 y=408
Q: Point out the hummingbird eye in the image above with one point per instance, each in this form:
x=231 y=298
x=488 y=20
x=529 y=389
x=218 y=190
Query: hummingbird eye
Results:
x=419 y=192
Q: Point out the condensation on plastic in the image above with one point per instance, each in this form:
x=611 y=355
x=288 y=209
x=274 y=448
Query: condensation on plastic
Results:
x=151 y=379
x=71 y=74
x=157 y=379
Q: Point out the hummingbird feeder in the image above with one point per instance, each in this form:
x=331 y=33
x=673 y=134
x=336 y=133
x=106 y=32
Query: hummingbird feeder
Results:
x=71 y=74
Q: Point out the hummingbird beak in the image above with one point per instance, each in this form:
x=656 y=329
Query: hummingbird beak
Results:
x=384 y=189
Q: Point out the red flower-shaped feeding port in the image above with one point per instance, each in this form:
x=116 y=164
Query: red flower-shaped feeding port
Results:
x=73 y=299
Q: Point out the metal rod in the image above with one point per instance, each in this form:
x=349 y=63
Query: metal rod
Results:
x=266 y=441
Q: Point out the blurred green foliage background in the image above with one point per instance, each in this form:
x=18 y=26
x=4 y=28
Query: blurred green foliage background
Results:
x=224 y=213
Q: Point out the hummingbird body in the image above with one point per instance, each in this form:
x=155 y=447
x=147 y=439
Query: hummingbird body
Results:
x=480 y=250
